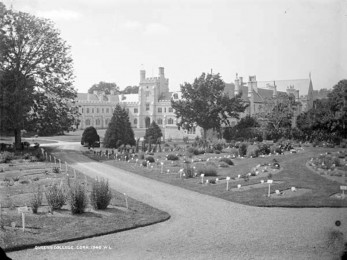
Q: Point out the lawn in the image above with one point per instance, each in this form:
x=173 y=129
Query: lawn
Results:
x=20 y=179
x=312 y=188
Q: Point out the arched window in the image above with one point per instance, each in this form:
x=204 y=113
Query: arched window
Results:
x=87 y=121
x=170 y=121
x=97 y=121
x=135 y=121
x=160 y=121
x=87 y=110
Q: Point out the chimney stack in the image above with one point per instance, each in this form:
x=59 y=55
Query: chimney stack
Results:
x=161 y=72
x=142 y=75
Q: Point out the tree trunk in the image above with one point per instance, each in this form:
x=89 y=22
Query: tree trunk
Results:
x=18 y=139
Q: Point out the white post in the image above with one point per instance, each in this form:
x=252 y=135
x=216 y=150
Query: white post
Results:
x=55 y=160
x=126 y=201
x=23 y=221
x=162 y=167
x=202 y=178
x=50 y=158
x=269 y=182
x=228 y=179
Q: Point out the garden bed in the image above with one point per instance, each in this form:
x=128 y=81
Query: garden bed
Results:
x=291 y=173
x=19 y=183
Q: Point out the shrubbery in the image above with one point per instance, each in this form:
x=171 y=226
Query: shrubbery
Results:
x=55 y=196
x=253 y=150
x=209 y=169
x=78 y=199
x=36 y=200
x=243 y=149
x=6 y=157
x=172 y=157
x=101 y=194
x=227 y=161
x=150 y=159
x=264 y=149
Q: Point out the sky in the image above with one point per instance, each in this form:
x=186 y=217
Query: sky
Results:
x=112 y=40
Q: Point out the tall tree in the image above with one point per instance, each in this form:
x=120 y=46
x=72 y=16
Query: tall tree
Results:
x=130 y=90
x=104 y=87
x=153 y=133
x=204 y=103
x=38 y=71
x=119 y=131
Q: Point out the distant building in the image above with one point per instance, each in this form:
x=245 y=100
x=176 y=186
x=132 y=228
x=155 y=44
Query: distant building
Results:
x=153 y=102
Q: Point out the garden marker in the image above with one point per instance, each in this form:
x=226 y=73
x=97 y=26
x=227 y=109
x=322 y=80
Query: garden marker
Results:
x=202 y=178
x=162 y=167
x=23 y=210
x=238 y=186
x=126 y=200
x=228 y=179
x=269 y=182
x=239 y=176
x=343 y=188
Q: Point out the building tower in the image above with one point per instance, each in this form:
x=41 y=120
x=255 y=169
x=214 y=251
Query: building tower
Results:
x=310 y=95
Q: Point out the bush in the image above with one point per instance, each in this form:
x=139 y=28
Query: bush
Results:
x=188 y=170
x=223 y=164
x=56 y=170
x=55 y=196
x=210 y=170
x=150 y=159
x=264 y=149
x=144 y=163
x=101 y=194
x=172 y=157
x=209 y=150
x=234 y=151
x=36 y=200
x=78 y=198
x=253 y=150
x=275 y=149
x=243 y=149
x=227 y=161
x=26 y=156
x=216 y=151
x=6 y=157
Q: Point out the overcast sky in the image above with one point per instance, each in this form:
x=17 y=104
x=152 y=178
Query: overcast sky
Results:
x=112 y=40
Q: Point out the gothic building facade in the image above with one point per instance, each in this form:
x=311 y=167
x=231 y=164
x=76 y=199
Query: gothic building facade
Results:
x=153 y=102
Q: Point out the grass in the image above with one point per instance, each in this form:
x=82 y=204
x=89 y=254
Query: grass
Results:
x=45 y=228
x=293 y=173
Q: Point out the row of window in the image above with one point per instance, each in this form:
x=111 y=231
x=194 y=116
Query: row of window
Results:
x=170 y=121
x=136 y=110
x=97 y=110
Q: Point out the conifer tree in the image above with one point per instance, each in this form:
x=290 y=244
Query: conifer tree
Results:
x=153 y=133
x=119 y=131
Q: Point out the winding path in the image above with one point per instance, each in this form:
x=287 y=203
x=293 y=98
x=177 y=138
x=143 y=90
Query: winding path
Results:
x=201 y=226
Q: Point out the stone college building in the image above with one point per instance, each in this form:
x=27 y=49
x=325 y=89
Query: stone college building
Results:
x=153 y=102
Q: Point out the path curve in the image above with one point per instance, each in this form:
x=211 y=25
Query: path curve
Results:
x=201 y=226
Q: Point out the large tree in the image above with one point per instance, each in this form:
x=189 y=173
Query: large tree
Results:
x=119 y=131
x=328 y=117
x=37 y=71
x=104 y=87
x=130 y=90
x=204 y=103
x=90 y=136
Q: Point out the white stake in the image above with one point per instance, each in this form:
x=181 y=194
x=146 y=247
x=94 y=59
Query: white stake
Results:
x=126 y=201
x=269 y=182
x=23 y=221
x=202 y=178
x=228 y=179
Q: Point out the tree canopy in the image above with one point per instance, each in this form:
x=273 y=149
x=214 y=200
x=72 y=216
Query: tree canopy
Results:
x=104 y=87
x=37 y=71
x=90 y=136
x=204 y=103
x=153 y=133
x=130 y=90
x=119 y=131
x=328 y=118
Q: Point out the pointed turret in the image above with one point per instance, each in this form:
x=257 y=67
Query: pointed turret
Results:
x=310 y=94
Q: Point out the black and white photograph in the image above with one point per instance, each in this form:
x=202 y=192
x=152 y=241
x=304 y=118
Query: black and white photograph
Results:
x=173 y=129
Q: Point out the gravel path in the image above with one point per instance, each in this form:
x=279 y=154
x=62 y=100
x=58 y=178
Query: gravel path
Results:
x=201 y=226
